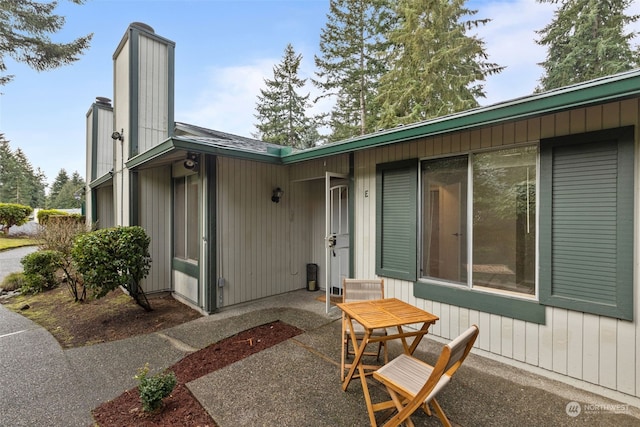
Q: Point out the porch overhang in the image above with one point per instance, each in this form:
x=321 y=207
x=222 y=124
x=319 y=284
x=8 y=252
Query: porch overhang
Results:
x=176 y=148
x=101 y=181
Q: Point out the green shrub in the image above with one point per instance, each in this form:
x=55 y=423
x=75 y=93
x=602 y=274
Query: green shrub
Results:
x=44 y=214
x=113 y=257
x=13 y=214
x=40 y=271
x=155 y=388
x=13 y=281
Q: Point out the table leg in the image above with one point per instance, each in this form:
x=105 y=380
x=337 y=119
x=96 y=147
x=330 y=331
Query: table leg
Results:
x=357 y=358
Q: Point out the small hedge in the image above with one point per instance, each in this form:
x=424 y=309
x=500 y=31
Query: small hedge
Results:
x=40 y=271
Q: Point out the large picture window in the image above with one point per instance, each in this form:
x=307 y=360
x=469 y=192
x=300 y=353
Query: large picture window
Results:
x=185 y=218
x=479 y=220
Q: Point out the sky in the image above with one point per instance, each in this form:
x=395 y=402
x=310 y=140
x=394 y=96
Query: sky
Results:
x=224 y=51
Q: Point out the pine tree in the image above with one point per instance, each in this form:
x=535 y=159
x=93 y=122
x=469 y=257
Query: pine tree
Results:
x=69 y=193
x=8 y=168
x=19 y=183
x=436 y=68
x=586 y=40
x=281 y=111
x=352 y=44
x=24 y=29
x=61 y=179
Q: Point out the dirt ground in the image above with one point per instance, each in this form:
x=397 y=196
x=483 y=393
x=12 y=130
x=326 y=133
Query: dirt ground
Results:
x=74 y=325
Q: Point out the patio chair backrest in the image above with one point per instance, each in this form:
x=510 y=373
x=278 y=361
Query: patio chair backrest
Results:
x=362 y=289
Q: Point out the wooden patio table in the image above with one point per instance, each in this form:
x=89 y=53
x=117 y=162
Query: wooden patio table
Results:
x=382 y=313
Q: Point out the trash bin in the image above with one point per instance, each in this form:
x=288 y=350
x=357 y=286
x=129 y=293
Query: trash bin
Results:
x=312 y=277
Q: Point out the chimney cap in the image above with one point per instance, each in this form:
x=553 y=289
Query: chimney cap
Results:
x=103 y=100
x=143 y=26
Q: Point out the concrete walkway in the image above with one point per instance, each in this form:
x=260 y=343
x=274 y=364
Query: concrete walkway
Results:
x=291 y=384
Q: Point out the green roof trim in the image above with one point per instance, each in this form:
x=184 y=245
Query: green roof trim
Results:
x=606 y=89
x=177 y=143
x=618 y=86
x=101 y=180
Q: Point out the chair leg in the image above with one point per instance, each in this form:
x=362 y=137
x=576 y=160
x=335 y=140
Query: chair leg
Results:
x=440 y=413
x=398 y=401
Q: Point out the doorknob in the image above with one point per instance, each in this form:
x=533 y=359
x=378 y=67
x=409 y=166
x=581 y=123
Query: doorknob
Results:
x=457 y=234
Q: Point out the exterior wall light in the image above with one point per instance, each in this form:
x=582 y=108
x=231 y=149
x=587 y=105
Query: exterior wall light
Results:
x=277 y=193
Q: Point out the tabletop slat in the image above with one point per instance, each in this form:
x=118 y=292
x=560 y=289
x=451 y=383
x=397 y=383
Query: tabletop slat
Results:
x=385 y=313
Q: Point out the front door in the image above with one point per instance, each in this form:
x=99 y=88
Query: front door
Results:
x=336 y=234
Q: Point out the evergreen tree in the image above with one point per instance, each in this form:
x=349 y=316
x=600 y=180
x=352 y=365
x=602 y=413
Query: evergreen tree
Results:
x=352 y=44
x=61 y=179
x=435 y=67
x=19 y=183
x=69 y=193
x=24 y=29
x=586 y=40
x=281 y=111
x=8 y=169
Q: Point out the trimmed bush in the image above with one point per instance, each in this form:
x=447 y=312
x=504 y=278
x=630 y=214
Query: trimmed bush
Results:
x=113 y=257
x=44 y=214
x=13 y=214
x=155 y=388
x=13 y=281
x=40 y=271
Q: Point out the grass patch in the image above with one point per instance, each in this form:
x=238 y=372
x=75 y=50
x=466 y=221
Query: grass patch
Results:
x=16 y=242
x=42 y=309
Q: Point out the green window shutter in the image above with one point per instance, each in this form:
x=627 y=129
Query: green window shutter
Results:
x=586 y=223
x=396 y=219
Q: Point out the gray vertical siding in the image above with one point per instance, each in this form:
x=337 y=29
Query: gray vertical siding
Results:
x=585 y=347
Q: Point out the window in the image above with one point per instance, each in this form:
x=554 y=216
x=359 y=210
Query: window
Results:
x=500 y=217
x=185 y=218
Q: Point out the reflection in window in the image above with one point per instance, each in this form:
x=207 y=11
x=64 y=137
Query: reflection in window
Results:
x=444 y=198
x=504 y=219
x=185 y=218
x=502 y=216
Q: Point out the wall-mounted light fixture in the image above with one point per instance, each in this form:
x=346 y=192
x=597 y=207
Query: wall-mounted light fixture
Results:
x=118 y=136
x=192 y=161
x=277 y=193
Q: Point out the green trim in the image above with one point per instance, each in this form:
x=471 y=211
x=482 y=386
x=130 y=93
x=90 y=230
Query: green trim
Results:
x=171 y=72
x=212 y=237
x=351 y=214
x=174 y=144
x=397 y=219
x=134 y=83
x=620 y=290
x=515 y=308
x=617 y=87
x=134 y=191
x=186 y=267
x=107 y=177
x=94 y=141
x=94 y=205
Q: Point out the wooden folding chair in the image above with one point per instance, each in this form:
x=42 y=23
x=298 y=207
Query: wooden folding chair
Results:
x=414 y=384
x=359 y=290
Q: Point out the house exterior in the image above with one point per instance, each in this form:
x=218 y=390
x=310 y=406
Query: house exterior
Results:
x=518 y=217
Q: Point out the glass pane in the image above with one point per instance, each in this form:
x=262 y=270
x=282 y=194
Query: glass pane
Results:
x=444 y=219
x=179 y=218
x=504 y=219
x=193 y=238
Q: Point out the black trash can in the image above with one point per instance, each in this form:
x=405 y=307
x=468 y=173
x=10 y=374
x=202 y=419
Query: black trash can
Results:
x=312 y=277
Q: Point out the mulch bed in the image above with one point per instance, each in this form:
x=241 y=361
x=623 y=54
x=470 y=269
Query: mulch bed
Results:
x=181 y=408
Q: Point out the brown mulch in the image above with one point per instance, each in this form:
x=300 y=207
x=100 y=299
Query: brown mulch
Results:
x=181 y=408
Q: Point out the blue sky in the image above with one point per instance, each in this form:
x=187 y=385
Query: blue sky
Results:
x=224 y=50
